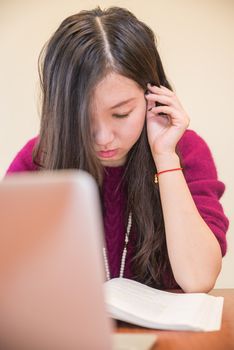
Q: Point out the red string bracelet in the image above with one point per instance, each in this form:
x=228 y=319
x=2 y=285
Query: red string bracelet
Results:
x=164 y=171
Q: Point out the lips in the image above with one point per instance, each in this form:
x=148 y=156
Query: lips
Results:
x=107 y=154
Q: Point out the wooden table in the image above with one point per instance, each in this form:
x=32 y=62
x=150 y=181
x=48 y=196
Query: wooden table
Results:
x=178 y=340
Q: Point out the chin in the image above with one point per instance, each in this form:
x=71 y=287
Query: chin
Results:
x=113 y=163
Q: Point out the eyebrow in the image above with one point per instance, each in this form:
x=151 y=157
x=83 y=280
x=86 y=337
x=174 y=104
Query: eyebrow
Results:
x=123 y=103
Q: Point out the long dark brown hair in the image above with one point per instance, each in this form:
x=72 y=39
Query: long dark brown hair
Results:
x=82 y=51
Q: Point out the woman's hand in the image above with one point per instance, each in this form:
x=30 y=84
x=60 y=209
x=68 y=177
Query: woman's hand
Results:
x=164 y=131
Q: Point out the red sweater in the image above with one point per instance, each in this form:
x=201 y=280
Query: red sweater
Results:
x=200 y=174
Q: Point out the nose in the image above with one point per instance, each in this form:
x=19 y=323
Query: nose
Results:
x=103 y=135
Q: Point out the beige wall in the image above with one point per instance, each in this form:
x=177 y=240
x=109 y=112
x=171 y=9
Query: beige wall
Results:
x=196 y=44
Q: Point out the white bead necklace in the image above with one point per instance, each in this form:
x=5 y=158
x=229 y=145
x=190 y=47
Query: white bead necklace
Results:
x=123 y=258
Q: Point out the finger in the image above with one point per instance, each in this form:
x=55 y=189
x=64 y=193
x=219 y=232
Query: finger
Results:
x=171 y=113
x=167 y=100
x=161 y=109
x=164 y=88
x=160 y=90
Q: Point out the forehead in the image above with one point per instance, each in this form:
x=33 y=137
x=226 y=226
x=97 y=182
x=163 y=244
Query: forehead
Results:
x=115 y=88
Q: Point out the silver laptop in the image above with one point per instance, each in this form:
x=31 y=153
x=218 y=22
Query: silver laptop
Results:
x=51 y=267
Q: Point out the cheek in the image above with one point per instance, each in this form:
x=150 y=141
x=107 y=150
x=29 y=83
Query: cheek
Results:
x=133 y=129
x=139 y=120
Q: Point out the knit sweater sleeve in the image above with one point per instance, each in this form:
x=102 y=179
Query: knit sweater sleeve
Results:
x=23 y=160
x=201 y=176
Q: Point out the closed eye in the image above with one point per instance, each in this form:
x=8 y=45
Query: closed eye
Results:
x=121 y=115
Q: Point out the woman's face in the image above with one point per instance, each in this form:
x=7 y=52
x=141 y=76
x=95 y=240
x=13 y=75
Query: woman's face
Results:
x=118 y=115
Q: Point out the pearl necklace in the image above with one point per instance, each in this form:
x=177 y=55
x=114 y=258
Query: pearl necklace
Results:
x=123 y=258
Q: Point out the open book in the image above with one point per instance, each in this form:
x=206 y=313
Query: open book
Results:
x=135 y=303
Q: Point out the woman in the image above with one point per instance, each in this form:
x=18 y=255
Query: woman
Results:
x=109 y=109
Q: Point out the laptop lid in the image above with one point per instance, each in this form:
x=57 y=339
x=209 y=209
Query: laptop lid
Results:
x=51 y=267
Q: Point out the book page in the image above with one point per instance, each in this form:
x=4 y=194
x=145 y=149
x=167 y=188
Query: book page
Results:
x=133 y=302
